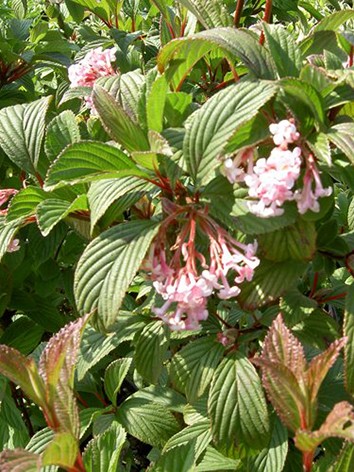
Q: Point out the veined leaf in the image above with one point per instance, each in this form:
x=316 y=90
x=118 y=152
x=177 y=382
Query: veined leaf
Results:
x=198 y=432
x=238 y=411
x=179 y=56
x=86 y=161
x=333 y=21
x=210 y=14
x=7 y=233
x=272 y=459
x=22 y=131
x=193 y=366
x=285 y=52
x=149 y=422
x=342 y=135
x=107 y=267
x=114 y=377
x=103 y=193
x=150 y=351
x=217 y=121
x=345 y=461
x=102 y=453
x=213 y=460
x=51 y=211
x=61 y=131
x=118 y=123
x=270 y=281
x=24 y=203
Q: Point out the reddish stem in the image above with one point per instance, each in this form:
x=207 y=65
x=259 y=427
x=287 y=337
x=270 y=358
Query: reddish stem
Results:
x=314 y=285
x=238 y=12
x=307 y=459
x=266 y=18
x=351 y=56
x=334 y=297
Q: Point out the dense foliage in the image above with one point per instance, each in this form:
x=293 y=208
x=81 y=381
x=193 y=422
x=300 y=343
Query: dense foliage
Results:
x=176 y=235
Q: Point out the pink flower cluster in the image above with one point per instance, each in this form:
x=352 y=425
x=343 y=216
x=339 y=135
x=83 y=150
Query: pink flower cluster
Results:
x=96 y=64
x=271 y=180
x=187 y=280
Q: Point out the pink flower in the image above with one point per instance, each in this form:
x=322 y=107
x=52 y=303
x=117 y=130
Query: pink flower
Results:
x=272 y=180
x=96 y=64
x=284 y=133
x=232 y=169
x=307 y=197
x=13 y=246
x=186 y=279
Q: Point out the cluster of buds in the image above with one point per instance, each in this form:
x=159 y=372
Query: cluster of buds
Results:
x=271 y=180
x=96 y=64
x=185 y=278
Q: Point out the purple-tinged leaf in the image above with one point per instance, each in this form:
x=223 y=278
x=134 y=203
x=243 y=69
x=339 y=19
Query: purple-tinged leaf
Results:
x=22 y=371
x=19 y=460
x=320 y=365
x=281 y=346
x=56 y=366
x=339 y=423
x=284 y=392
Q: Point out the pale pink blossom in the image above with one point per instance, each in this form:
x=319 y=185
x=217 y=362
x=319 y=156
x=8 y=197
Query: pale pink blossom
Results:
x=307 y=197
x=233 y=168
x=284 y=133
x=97 y=63
x=272 y=181
x=14 y=245
x=186 y=279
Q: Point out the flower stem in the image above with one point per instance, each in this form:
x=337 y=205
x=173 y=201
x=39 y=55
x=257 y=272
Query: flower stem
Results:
x=266 y=18
x=307 y=458
x=238 y=12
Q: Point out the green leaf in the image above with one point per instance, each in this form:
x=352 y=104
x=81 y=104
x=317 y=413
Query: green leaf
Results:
x=295 y=242
x=270 y=281
x=118 y=123
x=349 y=333
x=351 y=215
x=61 y=451
x=7 y=233
x=213 y=460
x=22 y=334
x=19 y=461
x=180 y=458
x=151 y=349
x=320 y=146
x=50 y=212
x=24 y=203
x=149 y=422
x=342 y=135
x=193 y=366
x=333 y=21
x=285 y=52
x=61 y=131
x=236 y=404
x=198 y=432
x=300 y=94
x=102 y=194
x=22 y=131
x=20 y=8
x=179 y=56
x=86 y=161
x=114 y=377
x=345 y=461
x=217 y=121
x=210 y=14
x=102 y=452
x=107 y=267
x=272 y=459
x=155 y=104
